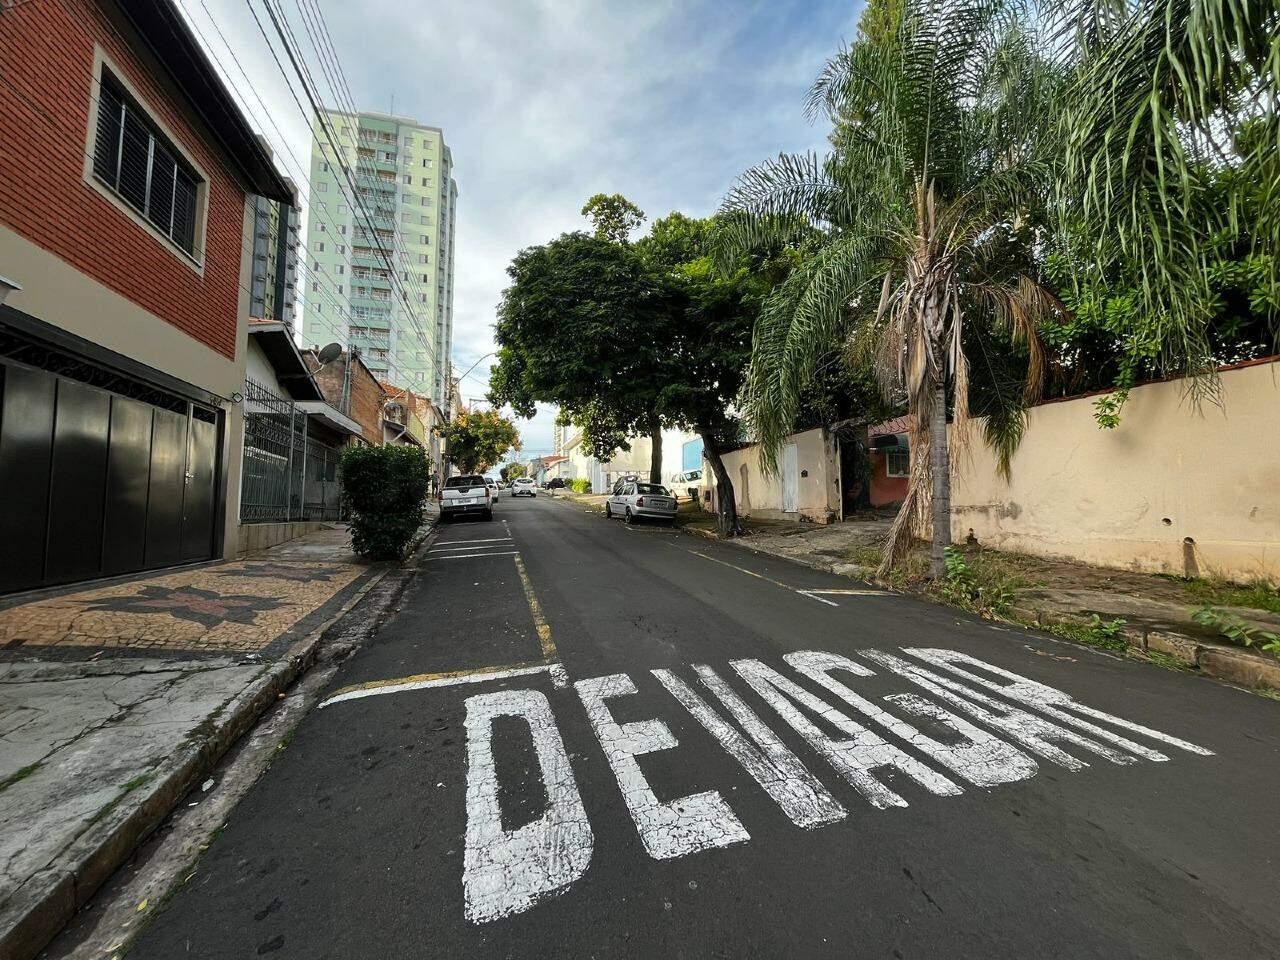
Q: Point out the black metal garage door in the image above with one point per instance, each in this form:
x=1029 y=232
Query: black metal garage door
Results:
x=94 y=482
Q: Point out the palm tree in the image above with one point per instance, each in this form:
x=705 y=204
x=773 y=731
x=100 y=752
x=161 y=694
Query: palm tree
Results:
x=1164 y=98
x=926 y=209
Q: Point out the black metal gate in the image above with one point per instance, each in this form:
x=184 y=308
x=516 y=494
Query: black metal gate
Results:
x=94 y=482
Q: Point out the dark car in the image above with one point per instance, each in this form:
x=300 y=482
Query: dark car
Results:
x=556 y=483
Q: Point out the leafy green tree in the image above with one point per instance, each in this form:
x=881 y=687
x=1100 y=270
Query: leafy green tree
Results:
x=580 y=326
x=475 y=441
x=707 y=335
x=512 y=471
x=1167 y=190
x=613 y=216
x=920 y=213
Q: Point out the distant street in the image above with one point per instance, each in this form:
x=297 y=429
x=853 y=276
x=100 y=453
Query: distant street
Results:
x=582 y=739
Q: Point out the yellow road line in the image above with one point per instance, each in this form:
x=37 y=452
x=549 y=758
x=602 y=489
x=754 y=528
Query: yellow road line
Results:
x=539 y=621
x=761 y=576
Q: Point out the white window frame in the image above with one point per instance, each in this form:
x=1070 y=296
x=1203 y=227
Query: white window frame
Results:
x=196 y=258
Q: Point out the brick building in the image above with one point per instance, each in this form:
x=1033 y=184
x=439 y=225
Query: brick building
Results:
x=351 y=388
x=125 y=240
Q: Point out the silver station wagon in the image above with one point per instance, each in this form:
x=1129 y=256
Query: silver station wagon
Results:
x=634 y=501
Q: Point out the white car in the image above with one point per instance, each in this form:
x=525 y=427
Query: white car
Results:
x=634 y=500
x=466 y=494
x=689 y=481
x=524 y=487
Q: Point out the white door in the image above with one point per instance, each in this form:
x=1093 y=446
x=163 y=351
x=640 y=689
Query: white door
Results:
x=790 y=478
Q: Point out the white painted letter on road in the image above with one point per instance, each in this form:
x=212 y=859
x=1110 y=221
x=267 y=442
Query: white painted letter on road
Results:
x=798 y=792
x=673 y=829
x=978 y=756
x=1051 y=701
x=858 y=758
x=508 y=871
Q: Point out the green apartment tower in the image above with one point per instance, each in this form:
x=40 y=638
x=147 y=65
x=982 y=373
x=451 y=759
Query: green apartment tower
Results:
x=379 y=266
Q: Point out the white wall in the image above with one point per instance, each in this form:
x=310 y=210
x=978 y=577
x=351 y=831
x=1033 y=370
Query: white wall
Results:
x=1172 y=489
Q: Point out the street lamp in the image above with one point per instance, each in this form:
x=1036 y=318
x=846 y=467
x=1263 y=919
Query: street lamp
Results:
x=491 y=353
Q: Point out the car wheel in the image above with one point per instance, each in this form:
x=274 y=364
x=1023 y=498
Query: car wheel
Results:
x=488 y=515
x=608 y=513
x=630 y=517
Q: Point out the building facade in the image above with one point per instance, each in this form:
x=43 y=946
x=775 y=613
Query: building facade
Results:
x=273 y=286
x=380 y=246
x=125 y=238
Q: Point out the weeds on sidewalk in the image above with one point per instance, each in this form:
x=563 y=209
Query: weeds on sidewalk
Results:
x=1259 y=595
x=1236 y=630
x=980 y=588
x=1095 y=632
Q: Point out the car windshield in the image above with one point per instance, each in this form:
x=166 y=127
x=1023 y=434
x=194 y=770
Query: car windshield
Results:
x=468 y=481
x=651 y=488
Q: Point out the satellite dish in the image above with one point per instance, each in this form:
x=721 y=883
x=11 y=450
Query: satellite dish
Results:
x=329 y=353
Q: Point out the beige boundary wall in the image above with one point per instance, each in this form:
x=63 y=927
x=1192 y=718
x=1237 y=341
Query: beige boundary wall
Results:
x=1173 y=489
x=817 y=495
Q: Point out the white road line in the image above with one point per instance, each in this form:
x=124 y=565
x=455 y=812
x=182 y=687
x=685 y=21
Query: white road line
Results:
x=558 y=675
x=810 y=595
x=851 y=593
x=478 y=546
x=464 y=556
x=441 y=543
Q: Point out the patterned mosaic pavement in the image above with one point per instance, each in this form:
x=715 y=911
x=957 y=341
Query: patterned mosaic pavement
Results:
x=243 y=607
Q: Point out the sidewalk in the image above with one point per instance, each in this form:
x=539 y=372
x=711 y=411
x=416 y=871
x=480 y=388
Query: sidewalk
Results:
x=1142 y=613
x=115 y=700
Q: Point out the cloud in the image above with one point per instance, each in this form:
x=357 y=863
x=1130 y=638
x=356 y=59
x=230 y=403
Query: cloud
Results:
x=544 y=103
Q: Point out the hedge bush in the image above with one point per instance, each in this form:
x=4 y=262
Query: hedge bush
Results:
x=383 y=492
x=580 y=485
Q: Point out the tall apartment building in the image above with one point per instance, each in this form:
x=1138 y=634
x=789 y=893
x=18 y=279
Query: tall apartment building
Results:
x=274 y=280
x=380 y=250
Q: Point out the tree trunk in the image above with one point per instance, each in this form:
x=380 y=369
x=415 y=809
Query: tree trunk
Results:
x=727 y=524
x=939 y=462
x=655 y=457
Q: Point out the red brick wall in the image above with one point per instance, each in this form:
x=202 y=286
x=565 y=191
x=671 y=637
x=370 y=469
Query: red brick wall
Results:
x=366 y=393
x=46 y=68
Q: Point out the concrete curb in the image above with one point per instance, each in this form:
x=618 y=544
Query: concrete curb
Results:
x=44 y=904
x=1235 y=665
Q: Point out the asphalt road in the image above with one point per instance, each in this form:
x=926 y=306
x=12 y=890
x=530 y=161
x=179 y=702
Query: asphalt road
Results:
x=472 y=788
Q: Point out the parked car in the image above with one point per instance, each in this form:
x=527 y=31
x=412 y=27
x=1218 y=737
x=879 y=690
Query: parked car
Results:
x=641 y=500
x=689 y=480
x=524 y=487
x=556 y=483
x=622 y=482
x=466 y=494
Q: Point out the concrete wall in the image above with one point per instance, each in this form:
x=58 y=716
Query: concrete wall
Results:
x=255 y=537
x=761 y=495
x=1172 y=489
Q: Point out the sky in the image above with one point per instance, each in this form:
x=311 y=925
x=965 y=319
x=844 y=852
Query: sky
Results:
x=544 y=103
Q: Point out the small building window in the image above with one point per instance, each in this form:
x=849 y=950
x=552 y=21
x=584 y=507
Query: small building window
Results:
x=132 y=158
x=897 y=460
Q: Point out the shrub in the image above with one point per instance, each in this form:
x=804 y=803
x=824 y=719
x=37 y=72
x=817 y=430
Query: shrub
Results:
x=985 y=592
x=383 y=490
x=580 y=485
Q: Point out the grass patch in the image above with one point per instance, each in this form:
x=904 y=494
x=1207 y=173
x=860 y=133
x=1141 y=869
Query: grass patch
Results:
x=19 y=775
x=1096 y=632
x=1258 y=595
